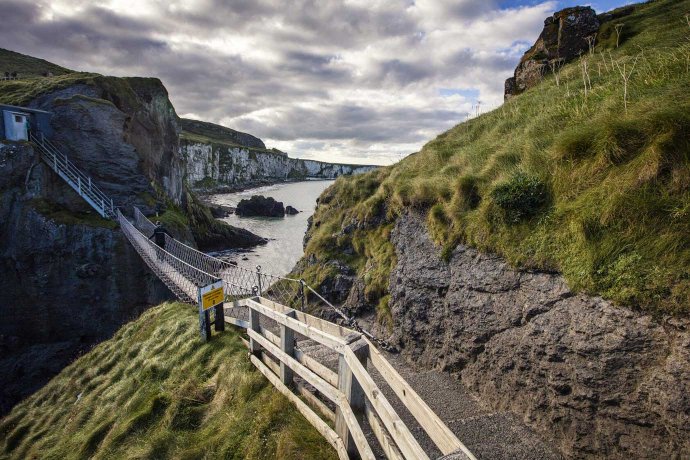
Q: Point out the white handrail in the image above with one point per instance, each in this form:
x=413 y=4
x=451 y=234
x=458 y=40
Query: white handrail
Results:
x=79 y=181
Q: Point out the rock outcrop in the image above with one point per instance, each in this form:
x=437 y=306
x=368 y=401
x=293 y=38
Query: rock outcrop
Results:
x=594 y=378
x=259 y=205
x=123 y=133
x=563 y=39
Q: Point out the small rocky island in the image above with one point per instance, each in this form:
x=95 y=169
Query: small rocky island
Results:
x=261 y=206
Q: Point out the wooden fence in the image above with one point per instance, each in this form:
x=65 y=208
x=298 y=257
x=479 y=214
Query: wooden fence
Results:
x=345 y=399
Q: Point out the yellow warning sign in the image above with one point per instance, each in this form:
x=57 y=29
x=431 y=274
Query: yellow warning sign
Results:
x=212 y=295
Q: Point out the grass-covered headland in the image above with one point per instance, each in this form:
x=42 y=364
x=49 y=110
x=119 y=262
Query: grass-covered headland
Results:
x=594 y=183
x=156 y=391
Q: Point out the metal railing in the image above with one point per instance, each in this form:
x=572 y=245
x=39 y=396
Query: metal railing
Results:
x=80 y=182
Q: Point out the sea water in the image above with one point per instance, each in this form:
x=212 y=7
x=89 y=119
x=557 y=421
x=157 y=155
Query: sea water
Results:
x=285 y=234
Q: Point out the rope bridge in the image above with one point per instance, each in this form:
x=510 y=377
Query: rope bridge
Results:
x=332 y=373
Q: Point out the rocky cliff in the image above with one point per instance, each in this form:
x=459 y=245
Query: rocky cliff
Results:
x=540 y=252
x=567 y=34
x=68 y=279
x=596 y=379
x=218 y=158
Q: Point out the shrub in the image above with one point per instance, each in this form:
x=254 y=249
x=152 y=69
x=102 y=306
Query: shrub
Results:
x=468 y=192
x=521 y=197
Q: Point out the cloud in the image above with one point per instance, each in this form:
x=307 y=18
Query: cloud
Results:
x=356 y=80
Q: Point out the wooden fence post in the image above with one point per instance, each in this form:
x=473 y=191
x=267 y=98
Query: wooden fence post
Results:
x=287 y=344
x=204 y=321
x=220 y=317
x=351 y=388
x=254 y=325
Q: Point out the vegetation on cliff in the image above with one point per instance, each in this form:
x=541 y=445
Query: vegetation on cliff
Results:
x=592 y=181
x=156 y=391
x=28 y=66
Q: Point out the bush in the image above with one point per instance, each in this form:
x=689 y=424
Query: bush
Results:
x=468 y=192
x=521 y=197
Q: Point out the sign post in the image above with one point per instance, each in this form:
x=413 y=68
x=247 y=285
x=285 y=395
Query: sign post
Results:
x=211 y=296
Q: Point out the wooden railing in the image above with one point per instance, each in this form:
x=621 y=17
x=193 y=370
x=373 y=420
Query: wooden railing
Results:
x=275 y=334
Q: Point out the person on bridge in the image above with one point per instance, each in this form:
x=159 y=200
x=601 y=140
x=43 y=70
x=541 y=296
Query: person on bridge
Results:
x=158 y=236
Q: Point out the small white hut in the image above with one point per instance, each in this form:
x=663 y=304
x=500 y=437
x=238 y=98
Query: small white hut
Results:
x=18 y=122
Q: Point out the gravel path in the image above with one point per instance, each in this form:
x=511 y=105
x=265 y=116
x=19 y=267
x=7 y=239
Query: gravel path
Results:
x=487 y=434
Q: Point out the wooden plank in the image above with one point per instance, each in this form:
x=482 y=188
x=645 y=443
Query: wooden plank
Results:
x=254 y=325
x=352 y=391
x=321 y=370
x=315 y=401
x=275 y=340
x=237 y=322
x=328 y=391
x=321 y=324
x=385 y=441
x=313 y=365
x=287 y=345
x=356 y=432
x=321 y=426
x=313 y=379
x=268 y=361
x=336 y=343
x=442 y=436
x=407 y=444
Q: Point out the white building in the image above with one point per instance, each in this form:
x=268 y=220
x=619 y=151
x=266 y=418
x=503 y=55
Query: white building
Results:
x=19 y=122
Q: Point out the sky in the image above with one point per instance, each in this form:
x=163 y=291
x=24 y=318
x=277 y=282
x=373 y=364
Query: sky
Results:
x=357 y=81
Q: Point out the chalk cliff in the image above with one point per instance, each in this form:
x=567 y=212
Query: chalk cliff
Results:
x=217 y=158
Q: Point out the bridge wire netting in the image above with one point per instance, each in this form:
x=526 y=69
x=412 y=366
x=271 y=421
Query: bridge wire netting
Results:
x=196 y=268
x=182 y=278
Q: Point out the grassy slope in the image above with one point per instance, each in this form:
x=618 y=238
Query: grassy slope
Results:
x=27 y=66
x=553 y=179
x=31 y=82
x=156 y=391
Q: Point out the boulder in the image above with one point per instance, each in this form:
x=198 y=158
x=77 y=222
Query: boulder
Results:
x=563 y=39
x=259 y=205
x=291 y=211
x=219 y=211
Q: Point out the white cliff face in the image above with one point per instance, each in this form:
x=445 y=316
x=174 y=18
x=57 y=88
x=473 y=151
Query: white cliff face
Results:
x=215 y=166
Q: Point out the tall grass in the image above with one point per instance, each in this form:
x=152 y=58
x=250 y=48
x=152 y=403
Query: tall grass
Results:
x=589 y=177
x=156 y=391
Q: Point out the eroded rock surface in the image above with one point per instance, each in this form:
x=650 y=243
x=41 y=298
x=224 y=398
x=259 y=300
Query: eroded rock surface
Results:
x=597 y=379
x=563 y=39
x=67 y=280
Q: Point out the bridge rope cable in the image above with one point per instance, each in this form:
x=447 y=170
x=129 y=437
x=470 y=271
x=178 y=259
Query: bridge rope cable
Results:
x=241 y=282
x=182 y=278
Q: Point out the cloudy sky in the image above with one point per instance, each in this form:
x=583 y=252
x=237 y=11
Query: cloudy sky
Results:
x=362 y=81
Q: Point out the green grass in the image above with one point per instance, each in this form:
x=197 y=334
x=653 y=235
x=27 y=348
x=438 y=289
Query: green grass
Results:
x=27 y=66
x=553 y=179
x=156 y=391
x=20 y=92
x=61 y=215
